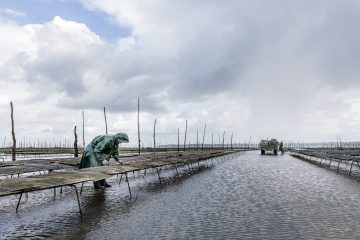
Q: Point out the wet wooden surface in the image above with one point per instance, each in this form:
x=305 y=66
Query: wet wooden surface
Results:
x=65 y=170
x=337 y=154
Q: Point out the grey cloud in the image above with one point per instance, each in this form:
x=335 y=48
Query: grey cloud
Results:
x=283 y=62
x=216 y=49
x=335 y=42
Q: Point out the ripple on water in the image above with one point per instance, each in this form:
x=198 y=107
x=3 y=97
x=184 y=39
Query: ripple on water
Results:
x=249 y=197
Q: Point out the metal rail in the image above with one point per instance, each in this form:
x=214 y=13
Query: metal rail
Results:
x=54 y=180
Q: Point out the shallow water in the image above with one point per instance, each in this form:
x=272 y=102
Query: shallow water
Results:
x=248 y=197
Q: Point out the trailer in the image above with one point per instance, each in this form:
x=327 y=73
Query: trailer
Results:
x=271 y=145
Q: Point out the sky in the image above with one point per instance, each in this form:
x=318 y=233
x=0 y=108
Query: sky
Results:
x=255 y=69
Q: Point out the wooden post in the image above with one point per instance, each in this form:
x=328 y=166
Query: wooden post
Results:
x=202 y=147
x=178 y=140
x=219 y=140
x=223 y=140
x=197 y=139
x=83 y=129
x=212 y=140
x=185 y=135
x=138 y=120
x=106 y=127
x=13 y=133
x=76 y=150
x=154 y=136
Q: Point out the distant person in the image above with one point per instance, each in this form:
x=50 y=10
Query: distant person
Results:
x=102 y=148
x=281 y=147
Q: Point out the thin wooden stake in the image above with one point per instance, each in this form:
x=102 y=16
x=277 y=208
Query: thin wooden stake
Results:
x=138 y=120
x=212 y=140
x=106 y=126
x=13 y=133
x=178 y=140
x=154 y=136
x=83 y=129
x=223 y=140
x=197 y=139
x=202 y=147
x=185 y=135
x=76 y=150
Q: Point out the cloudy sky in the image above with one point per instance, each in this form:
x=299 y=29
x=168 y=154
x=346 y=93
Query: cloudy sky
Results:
x=259 y=68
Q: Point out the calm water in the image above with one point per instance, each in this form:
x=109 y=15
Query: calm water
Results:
x=248 y=197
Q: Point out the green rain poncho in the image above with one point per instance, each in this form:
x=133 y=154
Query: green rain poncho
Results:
x=281 y=146
x=102 y=148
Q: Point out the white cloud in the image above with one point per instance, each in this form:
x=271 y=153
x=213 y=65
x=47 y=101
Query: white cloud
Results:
x=256 y=68
x=13 y=12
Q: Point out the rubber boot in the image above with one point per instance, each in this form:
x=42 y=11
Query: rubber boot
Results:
x=97 y=185
x=105 y=184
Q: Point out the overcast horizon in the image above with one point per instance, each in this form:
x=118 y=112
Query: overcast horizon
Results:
x=257 y=69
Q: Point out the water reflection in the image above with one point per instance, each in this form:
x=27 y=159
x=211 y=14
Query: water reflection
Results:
x=250 y=197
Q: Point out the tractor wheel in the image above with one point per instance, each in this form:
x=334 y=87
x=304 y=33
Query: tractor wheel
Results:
x=262 y=152
x=275 y=152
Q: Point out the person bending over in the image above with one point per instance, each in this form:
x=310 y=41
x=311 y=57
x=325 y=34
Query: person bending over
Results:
x=102 y=148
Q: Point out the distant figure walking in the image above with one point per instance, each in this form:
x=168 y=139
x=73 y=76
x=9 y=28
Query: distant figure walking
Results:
x=102 y=148
x=281 y=147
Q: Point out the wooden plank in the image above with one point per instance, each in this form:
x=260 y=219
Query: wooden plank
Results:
x=68 y=177
x=40 y=182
